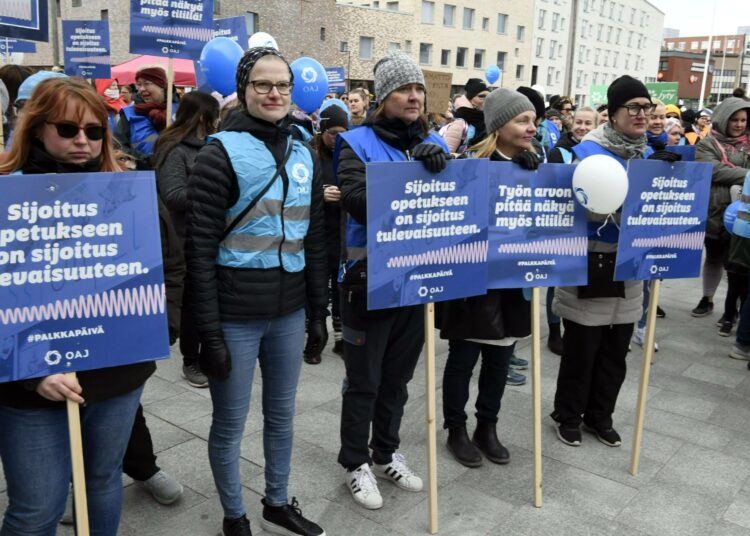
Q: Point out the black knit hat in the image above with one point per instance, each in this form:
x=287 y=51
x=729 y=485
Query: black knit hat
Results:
x=535 y=98
x=246 y=64
x=622 y=90
x=553 y=113
x=474 y=87
x=333 y=116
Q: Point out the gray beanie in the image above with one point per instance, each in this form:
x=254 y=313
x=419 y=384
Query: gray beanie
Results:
x=502 y=105
x=393 y=71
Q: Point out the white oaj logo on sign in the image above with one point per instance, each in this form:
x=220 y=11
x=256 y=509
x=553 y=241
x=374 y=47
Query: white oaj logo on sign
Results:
x=309 y=75
x=53 y=357
x=300 y=173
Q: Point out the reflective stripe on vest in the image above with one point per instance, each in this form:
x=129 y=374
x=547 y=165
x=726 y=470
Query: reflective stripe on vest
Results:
x=272 y=234
x=370 y=148
x=143 y=135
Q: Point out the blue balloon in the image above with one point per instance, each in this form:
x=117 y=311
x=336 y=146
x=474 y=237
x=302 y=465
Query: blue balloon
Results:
x=219 y=59
x=310 y=84
x=730 y=215
x=492 y=73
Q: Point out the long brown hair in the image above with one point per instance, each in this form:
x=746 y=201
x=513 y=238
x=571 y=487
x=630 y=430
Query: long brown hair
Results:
x=48 y=103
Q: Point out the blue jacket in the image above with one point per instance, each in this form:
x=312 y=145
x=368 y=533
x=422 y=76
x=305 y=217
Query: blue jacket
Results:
x=143 y=135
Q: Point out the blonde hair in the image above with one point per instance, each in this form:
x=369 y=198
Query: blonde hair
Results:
x=487 y=147
x=49 y=101
x=587 y=109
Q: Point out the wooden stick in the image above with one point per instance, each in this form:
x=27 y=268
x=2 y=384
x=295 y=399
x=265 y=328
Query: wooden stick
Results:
x=536 y=394
x=648 y=354
x=429 y=361
x=76 y=458
x=170 y=84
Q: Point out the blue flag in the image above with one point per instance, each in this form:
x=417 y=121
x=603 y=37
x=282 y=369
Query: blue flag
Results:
x=24 y=19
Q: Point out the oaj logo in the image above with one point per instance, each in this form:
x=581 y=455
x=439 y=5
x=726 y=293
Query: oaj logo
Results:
x=300 y=173
x=309 y=75
x=52 y=358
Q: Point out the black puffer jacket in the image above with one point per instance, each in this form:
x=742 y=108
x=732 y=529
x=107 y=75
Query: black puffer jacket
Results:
x=172 y=176
x=333 y=210
x=220 y=293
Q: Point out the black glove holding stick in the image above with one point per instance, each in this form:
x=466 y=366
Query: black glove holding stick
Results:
x=431 y=155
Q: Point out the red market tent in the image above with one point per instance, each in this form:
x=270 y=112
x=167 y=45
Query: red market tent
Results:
x=184 y=73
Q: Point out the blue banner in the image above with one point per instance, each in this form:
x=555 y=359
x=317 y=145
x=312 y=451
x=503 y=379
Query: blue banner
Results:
x=86 y=48
x=663 y=220
x=336 y=79
x=537 y=230
x=426 y=232
x=9 y=46
x=234 y=28
x=24 y=19
x=81 y=281
x=170 y=28
x=687 y=151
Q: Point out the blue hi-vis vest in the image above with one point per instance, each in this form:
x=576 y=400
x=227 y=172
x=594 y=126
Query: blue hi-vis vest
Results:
x=143 y=135
x=370 y=148
x=272 y=234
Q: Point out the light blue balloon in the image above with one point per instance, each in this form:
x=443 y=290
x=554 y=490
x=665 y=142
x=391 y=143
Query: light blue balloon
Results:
x=730 y=215
x=492 y=73
x=219 y=59
x=310 y=84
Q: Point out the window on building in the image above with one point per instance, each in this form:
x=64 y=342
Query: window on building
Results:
x=252 y=21
x=609 y=34
x=520 y=33
x=365 y=47
x=485 y=24
x=615 y=58
x=539 y=46
x=428 y=12
x=599 y=31
x=681 y=45
x=619 y=35
x=555 y=21
x=585 y=6
x=343 y=46
x=519 y=72
x=620 y=14
x=704 y=45
x=407 y=46
x=584 y=26
x=468 y=18
x=322 y=33
x=502 y=23
x=632 y=15
x=730 y=43
x=394 y=47
x=606 y=58
x=630 y=39
x=104 y=14
x=425 y=53
x=217 y=8
x=76 y=3
x=550 y=75
x=461 y=53
x=611 y=10
x=581 y=53
x=445 y=57
x=542 y=16
x=694 y=45
x=557 y=77
x=552 y=50
x=449 y=15
x=479 y=58
x=579 y=76
x=501 y=57
x=597 y=53
x=391 y=6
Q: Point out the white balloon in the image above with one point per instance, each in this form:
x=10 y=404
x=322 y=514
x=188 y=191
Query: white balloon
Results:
x=600 y=184
x=262 y=39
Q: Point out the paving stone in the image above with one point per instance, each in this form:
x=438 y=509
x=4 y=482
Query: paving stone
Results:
x=165 y=435
x=724 y=528
x=738 y=512
x=692 y=406
x=181 y=408
x=719 y=376
x=689 y=430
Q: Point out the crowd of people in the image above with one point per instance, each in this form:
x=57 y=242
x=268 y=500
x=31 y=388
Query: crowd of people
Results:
x=263 y=220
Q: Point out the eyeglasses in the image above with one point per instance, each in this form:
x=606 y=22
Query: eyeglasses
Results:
x=634 y=110
x=71 y=130
x=264 y=87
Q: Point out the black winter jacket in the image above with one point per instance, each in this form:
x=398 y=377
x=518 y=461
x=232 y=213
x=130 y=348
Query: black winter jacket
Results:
x=567 y=141
x=219 y=293
x=332 y=210
x=103 y=384
x=172 y=176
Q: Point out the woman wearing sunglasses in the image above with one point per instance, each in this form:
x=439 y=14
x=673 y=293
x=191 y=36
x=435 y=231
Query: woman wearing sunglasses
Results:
x=256 y=254
x=64 y=130
x=598 y=317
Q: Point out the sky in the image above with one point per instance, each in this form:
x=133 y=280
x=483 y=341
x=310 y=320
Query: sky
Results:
x=693 y=17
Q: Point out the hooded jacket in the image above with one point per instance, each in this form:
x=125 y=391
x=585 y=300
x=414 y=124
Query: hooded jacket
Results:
x=466 y=116
x=730 y=158
x=223 y=293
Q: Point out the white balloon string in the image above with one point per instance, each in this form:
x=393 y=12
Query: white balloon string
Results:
x=606 y=222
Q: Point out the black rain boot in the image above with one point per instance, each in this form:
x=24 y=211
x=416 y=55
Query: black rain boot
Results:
x=463 y=450
x=554 y=341
x=485 y=437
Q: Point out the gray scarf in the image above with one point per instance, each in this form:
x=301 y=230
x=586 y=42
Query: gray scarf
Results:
x=617 y=143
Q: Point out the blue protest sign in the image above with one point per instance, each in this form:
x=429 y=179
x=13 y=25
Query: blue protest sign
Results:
x=336 y=79
x=179 y=30
x=86 y=48
x=687 y=151
x=9 y=46
x=537 y=231
x=663 y=220
x=234 y=28
x=24 y=19
x=81 y=281
x=426 y=233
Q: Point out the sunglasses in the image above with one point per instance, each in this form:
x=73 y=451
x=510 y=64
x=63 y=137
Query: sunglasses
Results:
x=71 y=130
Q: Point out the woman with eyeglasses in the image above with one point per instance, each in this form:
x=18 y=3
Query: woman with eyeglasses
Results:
x=64 y=130
x=599 y=317
x=256 y=254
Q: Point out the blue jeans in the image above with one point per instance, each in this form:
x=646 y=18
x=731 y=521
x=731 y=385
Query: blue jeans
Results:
x=277 y=345
x=35 y=450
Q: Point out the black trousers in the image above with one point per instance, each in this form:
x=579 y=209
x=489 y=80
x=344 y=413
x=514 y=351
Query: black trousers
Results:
x=139 y=462
x=462 y=358
x=189 y=339
x=380 y=357
x=592 y=370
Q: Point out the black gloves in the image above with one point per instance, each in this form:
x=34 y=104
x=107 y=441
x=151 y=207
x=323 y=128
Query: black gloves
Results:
x=666 y=156
x=432 y=156
x=214 y=358
x=317 y=336
x=657 y=145
x=527 y=160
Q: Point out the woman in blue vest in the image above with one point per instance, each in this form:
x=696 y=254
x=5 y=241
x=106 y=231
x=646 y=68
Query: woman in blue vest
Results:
x=256 y=252
x=140 y=124
x=598 y=317
x=381 y=348
x=491 y=324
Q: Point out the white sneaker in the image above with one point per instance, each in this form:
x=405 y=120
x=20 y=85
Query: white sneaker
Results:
x=639 y=337
x=163 y=487
x=399 y=473
x=364 y=488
